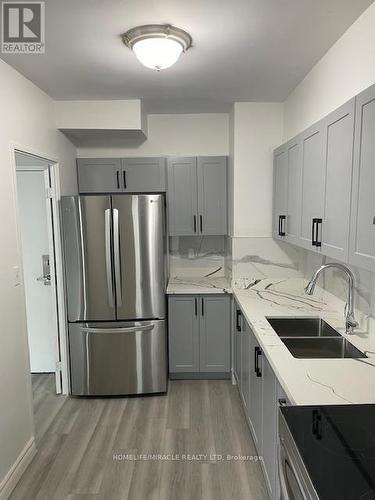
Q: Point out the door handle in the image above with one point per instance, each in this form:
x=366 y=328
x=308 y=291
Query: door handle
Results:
x=45 y=278
x=258 y=353
x=282 y=219
x=315 y=241
x=117 y=258
x=131 y=329
x=196 y=306
x=238 y=318
x=201 y=223
x=195 y=223
x=124 y=178
x=108 y=255
x=202 y=306
x=118 y=179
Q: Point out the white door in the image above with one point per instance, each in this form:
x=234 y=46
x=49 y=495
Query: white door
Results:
x=40 y=299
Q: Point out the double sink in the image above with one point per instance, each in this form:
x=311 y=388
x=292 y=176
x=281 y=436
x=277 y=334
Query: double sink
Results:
x=310 y=338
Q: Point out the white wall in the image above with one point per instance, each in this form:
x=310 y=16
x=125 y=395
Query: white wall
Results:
x=346 y=69
x=180 y=135
x=257 y=130
x=27 y=118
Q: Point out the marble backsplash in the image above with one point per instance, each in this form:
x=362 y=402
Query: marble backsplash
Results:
x=193 y=256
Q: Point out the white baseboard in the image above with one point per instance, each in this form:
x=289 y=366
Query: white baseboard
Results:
x=9 y=482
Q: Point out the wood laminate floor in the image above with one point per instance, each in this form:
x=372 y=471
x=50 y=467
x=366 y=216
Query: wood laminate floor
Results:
x=83 y=446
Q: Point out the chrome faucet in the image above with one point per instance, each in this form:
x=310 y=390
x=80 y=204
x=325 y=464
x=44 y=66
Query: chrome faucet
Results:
x=350 y=322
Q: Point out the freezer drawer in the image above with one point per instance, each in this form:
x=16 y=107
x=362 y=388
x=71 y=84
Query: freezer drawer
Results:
x=118 y=358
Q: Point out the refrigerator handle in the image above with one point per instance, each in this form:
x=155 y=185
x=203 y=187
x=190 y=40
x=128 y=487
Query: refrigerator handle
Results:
x=116 y=250
x=131 y=329
x=108 y=257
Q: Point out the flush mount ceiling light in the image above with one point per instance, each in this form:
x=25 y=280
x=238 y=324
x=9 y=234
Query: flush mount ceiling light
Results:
x=157 y=46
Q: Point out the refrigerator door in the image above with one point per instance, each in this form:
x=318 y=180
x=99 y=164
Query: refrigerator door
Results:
x=118 y=358
x=88 y=252
x=139 y=246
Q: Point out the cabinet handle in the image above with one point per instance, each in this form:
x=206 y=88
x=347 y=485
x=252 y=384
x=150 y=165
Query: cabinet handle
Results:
x=202 y=303
x=238 y=317
x=313 y=242
x=124 y=177
x=317 y=425
x=283 y=402
x=282 y=218
x=318 y=241
x=201 y=223
x=195 y=223
x=118 y=179
x=257 y=352
x=196 y=306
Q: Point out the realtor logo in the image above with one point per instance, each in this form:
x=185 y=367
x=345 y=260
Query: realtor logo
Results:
x=23 y=27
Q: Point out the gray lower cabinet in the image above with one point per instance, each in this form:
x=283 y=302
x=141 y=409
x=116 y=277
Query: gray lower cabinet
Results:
x=256 y=394
x=199 y=335
x=261 y=396
x=197 y=196
x=269 y=423
x=362 y=234
x=114 y=175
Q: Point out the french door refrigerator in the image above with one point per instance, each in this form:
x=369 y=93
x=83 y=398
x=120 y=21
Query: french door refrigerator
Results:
x=114 y=248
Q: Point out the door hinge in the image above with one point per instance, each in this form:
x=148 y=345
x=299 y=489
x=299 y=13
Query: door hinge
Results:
x=50 y=193
x=58 y=366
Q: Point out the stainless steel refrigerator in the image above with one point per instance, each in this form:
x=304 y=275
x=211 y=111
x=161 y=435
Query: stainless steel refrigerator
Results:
x=114 y=247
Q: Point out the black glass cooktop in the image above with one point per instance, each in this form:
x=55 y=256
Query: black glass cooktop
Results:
x=337 y=445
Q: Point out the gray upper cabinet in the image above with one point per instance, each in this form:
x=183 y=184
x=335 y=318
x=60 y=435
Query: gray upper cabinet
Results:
x=212 y=195
x=280 y=199
x=182 y=196
x=99 y=175
x=143 y=175
x=294 y=179
x=313 y=180
x=215 y=334
x=199 y=334
x=362 y=236
x=114 y=175
x=183 y=334
x=197 y=196
x=338 y=140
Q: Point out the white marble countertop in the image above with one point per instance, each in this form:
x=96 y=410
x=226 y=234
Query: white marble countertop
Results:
x=198 y=285
x=310 y=381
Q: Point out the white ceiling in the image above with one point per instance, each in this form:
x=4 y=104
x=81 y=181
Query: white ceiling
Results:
x=244 y=50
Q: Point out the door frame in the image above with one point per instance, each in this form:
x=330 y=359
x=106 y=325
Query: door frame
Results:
x=54 y=230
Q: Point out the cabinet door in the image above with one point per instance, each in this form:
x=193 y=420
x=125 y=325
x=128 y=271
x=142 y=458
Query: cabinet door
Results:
x=183 y=334
x=255 y=410
x=245 y=367
x=182 y=197
x=215 y=334
x=99 y=175
x=339 y=135
x=280 y=191
x=212 y=195
x=362 y=235
x=293 y=222
x=269 y=431
x=143 y=175
x=237 y=330
x=313 y=182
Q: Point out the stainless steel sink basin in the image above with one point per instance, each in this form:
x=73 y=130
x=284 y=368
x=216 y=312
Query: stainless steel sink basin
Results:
x=302 y=327
x=333 y=347
x=310 y=338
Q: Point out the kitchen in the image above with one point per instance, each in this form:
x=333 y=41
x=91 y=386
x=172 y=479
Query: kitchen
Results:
x=213 y=264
